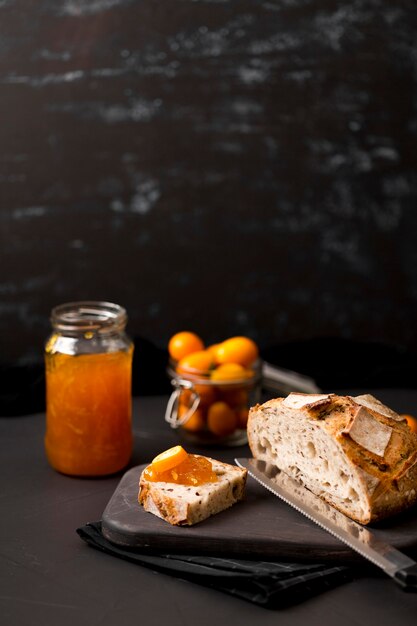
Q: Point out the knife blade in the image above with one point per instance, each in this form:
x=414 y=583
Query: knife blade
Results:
x=394 y=563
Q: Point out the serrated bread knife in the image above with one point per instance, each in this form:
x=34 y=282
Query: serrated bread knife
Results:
x=393 y=562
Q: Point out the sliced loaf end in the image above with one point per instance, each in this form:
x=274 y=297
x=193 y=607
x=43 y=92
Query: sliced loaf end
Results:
x=356 y=454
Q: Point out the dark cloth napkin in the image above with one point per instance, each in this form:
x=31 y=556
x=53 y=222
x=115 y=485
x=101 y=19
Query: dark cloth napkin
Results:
x=267 y=584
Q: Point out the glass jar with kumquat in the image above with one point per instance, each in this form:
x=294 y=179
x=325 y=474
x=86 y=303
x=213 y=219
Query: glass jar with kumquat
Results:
x=88 y=360
x=214 y=388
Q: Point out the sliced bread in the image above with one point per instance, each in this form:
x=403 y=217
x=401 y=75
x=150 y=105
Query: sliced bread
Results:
x=354 y=452
x=187 y=504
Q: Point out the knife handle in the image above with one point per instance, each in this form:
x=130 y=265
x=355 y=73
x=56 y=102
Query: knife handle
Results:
x=407 y=577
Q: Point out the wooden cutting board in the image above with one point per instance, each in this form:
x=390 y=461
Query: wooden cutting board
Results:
x=262 y=526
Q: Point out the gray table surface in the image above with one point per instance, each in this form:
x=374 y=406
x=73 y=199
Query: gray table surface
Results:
x=49 y=576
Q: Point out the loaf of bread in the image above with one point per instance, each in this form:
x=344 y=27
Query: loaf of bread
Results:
x=187 y=504
x=355 y=453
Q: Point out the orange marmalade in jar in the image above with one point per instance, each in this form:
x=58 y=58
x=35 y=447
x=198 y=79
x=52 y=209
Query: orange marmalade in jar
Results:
x=88 y=360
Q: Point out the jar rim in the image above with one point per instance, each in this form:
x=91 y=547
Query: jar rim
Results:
x=88 y=315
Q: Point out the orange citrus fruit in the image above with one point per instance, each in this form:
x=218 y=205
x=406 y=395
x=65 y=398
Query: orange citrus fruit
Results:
x=186 y=397
x=221 y=419
x=207 y=393
x=242 y=415
x=198 y=362
x=240 y=350
x=169 y=458
x=184 y=343
x=195 y=422
x=213 y=350
x=235 y=397
x=230 y=371
x=412 y=422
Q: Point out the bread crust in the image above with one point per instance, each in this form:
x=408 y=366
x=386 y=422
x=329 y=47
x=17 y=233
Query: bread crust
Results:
x=185 y=505
x=373 y=444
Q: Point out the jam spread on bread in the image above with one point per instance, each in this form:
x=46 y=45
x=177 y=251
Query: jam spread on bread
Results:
x=182 y=469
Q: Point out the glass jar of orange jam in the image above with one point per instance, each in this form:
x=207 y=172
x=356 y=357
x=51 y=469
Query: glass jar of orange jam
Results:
x=88 y=360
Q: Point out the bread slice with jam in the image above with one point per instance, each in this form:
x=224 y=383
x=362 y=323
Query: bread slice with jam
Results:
x=185 y=494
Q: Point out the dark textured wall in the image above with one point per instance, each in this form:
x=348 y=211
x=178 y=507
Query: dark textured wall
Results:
x=230 y=167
